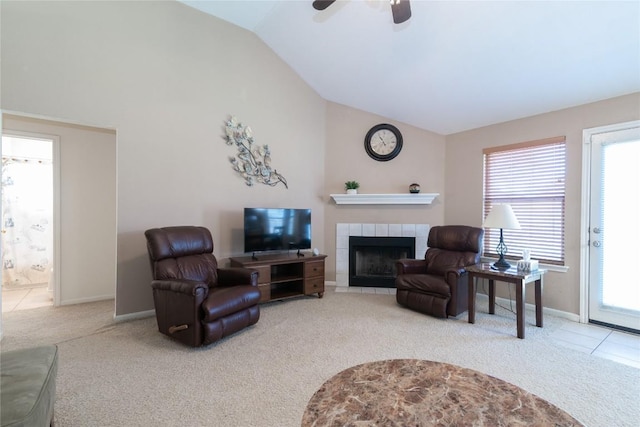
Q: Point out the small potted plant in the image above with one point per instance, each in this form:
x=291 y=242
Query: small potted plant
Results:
x=352 y=187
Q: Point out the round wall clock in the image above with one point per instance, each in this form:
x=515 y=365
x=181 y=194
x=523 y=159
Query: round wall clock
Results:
x=383 y=142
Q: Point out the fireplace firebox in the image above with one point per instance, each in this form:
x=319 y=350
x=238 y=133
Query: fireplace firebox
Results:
x=372 y=259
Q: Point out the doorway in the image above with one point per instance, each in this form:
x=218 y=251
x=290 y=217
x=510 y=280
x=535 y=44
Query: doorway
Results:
x=28 y=226
x=85 y=212
x=612 y=248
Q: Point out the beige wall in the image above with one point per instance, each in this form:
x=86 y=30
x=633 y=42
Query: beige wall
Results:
x=87 y=223
x=464 y=177
x=166 y=76
x=421 y=160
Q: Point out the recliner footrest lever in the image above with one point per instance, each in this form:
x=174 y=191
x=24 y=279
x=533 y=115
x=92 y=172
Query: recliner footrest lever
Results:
x=174 y=329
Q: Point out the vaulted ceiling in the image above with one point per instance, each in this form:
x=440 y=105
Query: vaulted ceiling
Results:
x=455 y=65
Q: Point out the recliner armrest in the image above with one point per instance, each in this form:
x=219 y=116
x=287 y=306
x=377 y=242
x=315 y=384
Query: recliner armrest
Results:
x=411 y=266
x=453 y=275
x=233 y=276
x=184 y=286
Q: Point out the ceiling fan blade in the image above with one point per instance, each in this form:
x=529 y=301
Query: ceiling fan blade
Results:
x=322 y=4
x=401 y=10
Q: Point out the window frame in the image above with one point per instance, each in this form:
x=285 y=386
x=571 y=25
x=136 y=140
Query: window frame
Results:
x=535 y=189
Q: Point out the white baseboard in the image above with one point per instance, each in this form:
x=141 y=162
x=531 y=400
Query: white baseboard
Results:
x=552 y=311
x=90 y=299
x=134 y=316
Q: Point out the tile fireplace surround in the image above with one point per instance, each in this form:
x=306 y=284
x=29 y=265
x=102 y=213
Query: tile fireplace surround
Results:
x=344 y=230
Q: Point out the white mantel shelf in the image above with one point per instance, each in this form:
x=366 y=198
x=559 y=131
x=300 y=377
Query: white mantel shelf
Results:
x=384 y=199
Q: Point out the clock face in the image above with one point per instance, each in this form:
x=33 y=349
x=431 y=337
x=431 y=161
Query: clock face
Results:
x=383 y=142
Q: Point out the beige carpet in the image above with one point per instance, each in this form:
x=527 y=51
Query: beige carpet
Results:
x=128 y=374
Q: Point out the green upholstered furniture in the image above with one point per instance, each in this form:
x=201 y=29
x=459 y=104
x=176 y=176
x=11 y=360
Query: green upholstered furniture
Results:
x=28 y=386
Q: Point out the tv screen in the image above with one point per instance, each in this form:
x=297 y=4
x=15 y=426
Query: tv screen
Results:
x=272 y=229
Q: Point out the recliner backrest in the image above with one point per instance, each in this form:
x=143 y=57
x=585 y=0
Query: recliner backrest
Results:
x=183 y=252
x=452 y=247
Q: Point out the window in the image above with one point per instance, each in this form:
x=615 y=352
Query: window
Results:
x=529 y=176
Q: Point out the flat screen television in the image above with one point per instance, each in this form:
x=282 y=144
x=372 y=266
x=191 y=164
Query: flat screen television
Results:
x=276 y=229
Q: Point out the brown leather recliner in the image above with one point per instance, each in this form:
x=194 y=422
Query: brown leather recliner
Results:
x=196 y=302
x=437 y=285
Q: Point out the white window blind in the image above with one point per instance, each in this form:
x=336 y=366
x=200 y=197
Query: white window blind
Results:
x=530 y=176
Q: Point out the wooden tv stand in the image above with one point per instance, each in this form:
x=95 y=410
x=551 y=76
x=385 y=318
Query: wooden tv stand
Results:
x=285 y=276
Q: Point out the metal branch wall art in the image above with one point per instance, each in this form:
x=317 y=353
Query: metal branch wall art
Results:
x=253 y=161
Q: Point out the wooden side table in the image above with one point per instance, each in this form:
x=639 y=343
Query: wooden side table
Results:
x=512 y=275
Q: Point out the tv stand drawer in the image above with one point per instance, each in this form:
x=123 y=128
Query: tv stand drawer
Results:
x=264 y=273
x=314 y=286
x=314 y=268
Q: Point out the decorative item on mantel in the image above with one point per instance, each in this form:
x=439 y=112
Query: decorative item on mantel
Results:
x=253 y=162
x=352 y=187
x=414 y=188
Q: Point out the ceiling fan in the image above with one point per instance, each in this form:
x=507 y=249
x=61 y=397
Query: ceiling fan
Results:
x=401 y=9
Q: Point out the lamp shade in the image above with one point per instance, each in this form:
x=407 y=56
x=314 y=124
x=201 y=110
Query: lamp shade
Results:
x=501 y=216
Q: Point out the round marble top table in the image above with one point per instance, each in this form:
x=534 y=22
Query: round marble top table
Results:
x=411 y=392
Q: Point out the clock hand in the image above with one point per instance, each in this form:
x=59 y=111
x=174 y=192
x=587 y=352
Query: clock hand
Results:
x=383 y=143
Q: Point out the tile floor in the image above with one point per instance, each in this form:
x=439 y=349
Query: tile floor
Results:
x=596 y=340
x=599 y=341
x=23 y=299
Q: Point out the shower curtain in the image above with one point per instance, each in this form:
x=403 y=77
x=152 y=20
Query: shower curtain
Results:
x=27 y=221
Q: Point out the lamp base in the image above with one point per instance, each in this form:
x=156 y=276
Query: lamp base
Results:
x=501 y=264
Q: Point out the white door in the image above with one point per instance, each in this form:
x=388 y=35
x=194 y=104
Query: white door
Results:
x=614 y=226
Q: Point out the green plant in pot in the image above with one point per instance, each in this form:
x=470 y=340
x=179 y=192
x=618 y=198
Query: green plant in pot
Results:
x=352 y=187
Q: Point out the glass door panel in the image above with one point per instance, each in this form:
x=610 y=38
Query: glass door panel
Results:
x=614 y=252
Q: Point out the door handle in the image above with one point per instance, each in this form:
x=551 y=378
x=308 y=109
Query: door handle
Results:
x=596 y=243
x=596 y=230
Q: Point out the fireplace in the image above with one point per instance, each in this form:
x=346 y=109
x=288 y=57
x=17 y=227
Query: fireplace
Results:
x=344 y=231
x=372 y=259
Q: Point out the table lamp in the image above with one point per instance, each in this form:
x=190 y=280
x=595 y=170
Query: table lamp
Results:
x=501 y=216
